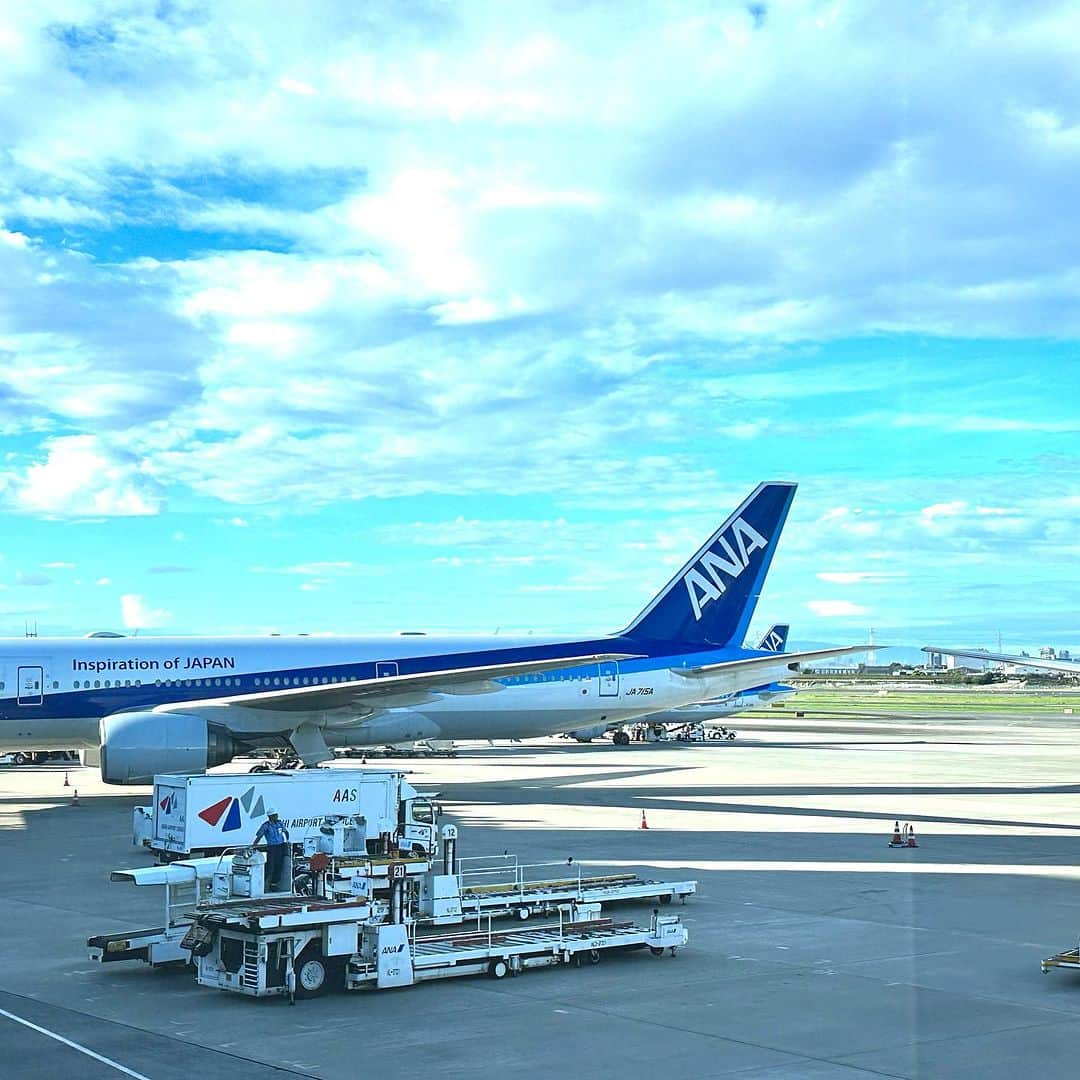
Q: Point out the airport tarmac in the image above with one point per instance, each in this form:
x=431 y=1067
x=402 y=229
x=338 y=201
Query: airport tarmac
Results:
x=816 y=951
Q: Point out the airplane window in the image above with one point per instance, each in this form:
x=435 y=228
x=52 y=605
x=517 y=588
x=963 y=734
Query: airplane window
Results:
x=106 y=682
x=138 y=682
x=258 y=682
x=97 y=684
x=127 y=682
x=306 y=680
x=75 y=684
x=277 y=682
x=56 y=685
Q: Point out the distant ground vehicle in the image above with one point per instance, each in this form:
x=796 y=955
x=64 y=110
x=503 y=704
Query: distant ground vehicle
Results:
x=40 y=757
x=722 y=733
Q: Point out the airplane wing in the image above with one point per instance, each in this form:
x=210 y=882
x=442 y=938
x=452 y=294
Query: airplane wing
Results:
x=1071 y=667
x=777 y=660
x=393 y=690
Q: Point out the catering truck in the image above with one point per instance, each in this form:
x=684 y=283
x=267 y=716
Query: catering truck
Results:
x=209 y=813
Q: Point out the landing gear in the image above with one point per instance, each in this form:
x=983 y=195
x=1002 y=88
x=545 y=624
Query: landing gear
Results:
x=621 y=738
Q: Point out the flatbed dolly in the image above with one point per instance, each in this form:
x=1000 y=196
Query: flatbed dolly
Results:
x=502 y=886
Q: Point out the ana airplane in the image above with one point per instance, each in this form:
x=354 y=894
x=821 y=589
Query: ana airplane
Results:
x=1066 y=667
x=774 y=641
x=186 y=704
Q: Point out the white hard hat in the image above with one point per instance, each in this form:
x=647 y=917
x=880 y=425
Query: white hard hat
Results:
x=271 y=811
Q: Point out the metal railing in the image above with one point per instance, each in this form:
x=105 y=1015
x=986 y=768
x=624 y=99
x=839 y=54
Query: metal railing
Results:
x=505 y=873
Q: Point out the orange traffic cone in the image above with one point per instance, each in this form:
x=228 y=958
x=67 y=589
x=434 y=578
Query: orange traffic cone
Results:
x=897 y=840
x=911 y=836
x=66 y=784
x=75 y=798
x=644 y=823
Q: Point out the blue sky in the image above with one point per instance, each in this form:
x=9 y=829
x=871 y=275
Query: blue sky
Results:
x=463 y=316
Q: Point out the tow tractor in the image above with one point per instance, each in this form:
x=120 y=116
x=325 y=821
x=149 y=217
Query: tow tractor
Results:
x=356 y=906
x=1068 y=959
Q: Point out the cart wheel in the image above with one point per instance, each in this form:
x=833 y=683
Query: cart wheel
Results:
x=730 y=735
x=20 y=758
x=594 y=956
x=656 y=951
x=313 y=974
x=666 y=898
x=498 y=969
x=524 y=913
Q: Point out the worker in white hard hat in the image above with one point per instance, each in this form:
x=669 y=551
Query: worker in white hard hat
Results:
x=277 y=843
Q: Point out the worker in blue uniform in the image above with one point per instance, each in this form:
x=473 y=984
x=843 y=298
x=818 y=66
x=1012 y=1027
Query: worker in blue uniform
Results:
x=277 y=843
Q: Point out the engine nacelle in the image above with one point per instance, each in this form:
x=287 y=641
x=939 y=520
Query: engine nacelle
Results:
x=587 y=734
x=136 y=745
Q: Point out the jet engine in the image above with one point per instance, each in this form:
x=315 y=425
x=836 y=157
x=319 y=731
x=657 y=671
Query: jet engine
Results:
x=136 y=745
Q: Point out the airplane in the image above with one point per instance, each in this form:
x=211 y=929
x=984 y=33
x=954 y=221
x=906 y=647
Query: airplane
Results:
x=774 y=640
x=172 y=704
x=1068 y=667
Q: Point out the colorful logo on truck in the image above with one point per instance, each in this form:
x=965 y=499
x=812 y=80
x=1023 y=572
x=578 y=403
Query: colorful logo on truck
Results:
x=227 y=810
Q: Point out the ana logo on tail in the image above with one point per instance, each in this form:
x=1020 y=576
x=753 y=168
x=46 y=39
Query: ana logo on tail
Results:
x=703 y=581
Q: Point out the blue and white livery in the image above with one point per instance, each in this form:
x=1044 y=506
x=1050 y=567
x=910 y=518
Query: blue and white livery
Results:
x=157 y=705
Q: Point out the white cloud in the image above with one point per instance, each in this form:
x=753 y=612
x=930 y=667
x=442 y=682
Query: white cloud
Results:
x=58 y=566
x=103 y=581
x=83 y=475
x=137 y=614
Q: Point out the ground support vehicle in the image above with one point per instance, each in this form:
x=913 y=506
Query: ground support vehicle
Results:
x=1068 y=959
x=203 y=813
x=307 y=949
x=185 y=884
x=228 y=891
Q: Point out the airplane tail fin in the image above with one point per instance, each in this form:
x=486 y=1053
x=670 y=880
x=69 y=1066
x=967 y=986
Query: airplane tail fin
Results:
x=711 y=600
x=775 y=639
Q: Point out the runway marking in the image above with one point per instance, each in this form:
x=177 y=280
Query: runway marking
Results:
x=75 y=1046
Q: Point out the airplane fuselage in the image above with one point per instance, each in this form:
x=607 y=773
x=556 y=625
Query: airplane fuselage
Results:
x=54 y=692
